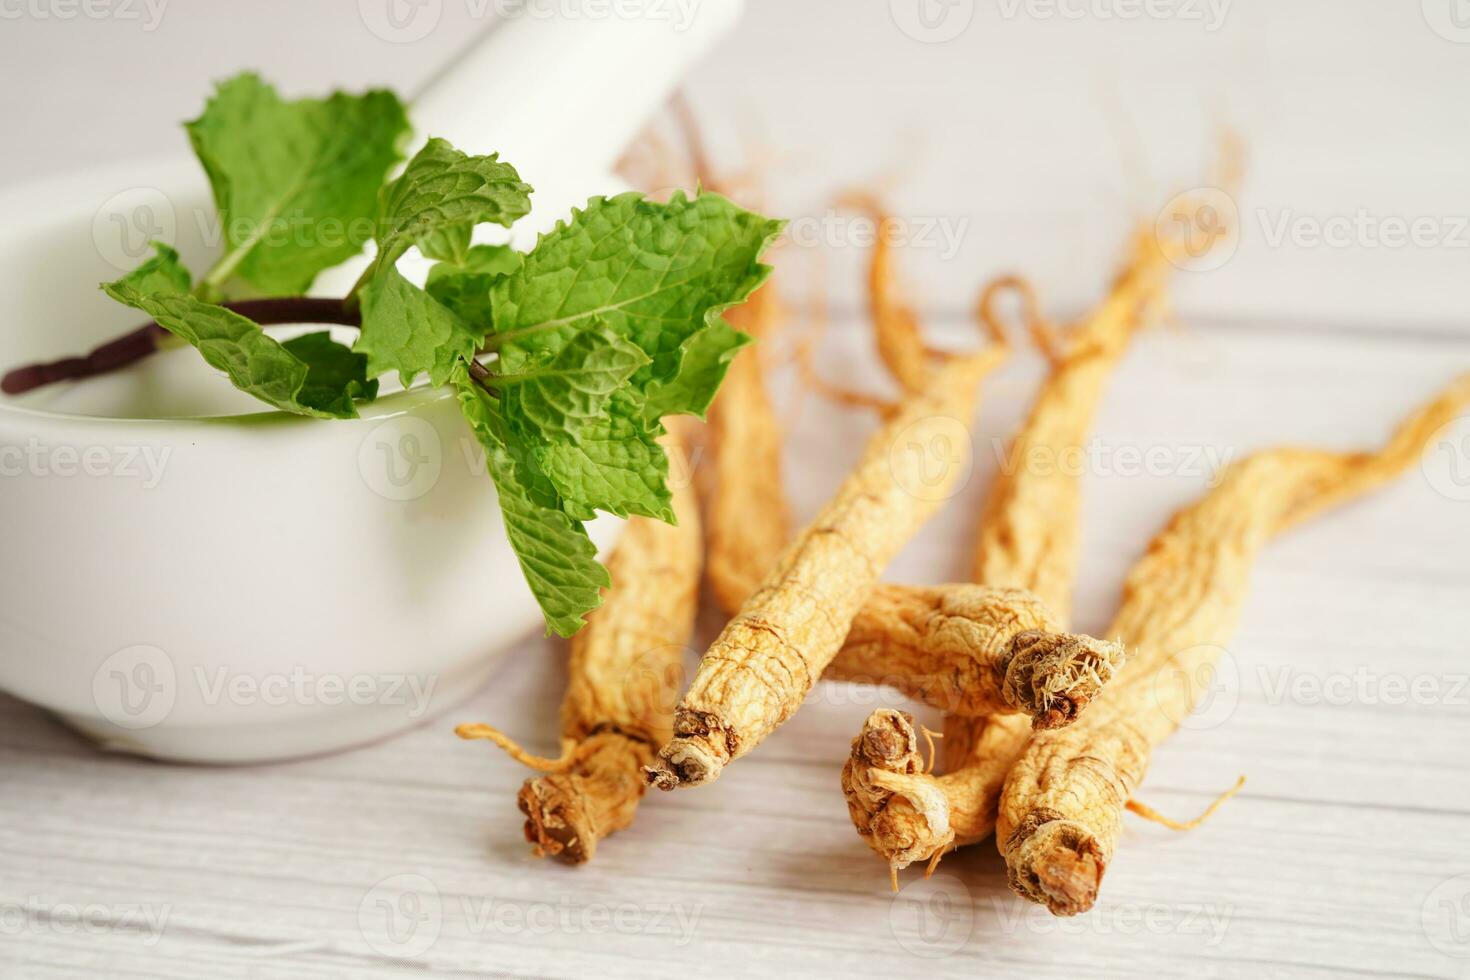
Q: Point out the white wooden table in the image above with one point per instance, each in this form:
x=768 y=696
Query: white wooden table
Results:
x=1345 y=700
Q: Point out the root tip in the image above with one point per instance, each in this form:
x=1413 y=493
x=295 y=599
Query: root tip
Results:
x=1057 y=864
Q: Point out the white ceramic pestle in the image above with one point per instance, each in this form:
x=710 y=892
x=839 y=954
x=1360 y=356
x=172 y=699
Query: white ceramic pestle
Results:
x=260 y=586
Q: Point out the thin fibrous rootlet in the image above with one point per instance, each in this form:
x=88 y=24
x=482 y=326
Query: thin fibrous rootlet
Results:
x=1061 y=811
x=623 y=673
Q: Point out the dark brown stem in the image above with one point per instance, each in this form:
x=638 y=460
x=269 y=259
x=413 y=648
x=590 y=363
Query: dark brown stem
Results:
x=480 y=374
x=138 y=344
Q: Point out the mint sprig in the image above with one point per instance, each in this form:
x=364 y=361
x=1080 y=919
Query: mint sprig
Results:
x=310 y=375
x=296 y=183
x=563 y=360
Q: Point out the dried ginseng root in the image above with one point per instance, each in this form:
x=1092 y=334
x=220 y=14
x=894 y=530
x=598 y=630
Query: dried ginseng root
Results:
x=960 y=648
x=1028 y=540
x=966 y=649
x=749 y=520
x=765 y=661
x=1061 y=811
x=624 y=671
x=975 y=651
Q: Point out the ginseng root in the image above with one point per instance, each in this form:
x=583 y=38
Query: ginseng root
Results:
x=1028 y=540
x=624 y=673
x=1061 y=810
x=975 y=651
x=960 y=648
x=766 y=660
x=749 y=520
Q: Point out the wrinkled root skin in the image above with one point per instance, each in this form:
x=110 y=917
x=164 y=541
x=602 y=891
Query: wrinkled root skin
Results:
x=1055 y=862
x=1052 y=677
x=568 y=813
x=697 y=753
x=897 y=807
x=974 y=650
x=766 y=660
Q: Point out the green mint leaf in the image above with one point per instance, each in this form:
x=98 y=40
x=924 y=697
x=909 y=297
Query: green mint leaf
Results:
x=296 y=183
x=464 y=286
x=568 y=391
x=406 y=330
x=557 y=557
x=448 y=244
x=654 y=273
x=440 y=197
x=614 y=465
x=311 y=379
x=707 y=357
x=335 y=375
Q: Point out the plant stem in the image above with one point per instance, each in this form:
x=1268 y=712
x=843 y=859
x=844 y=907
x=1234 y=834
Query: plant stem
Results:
x=138 y=344
x=480 y=375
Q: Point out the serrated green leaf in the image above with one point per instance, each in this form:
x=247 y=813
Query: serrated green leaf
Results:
x=311 y=379
x=464 y=287
x=706 y=359
x=336 y=376
x=567 y=391
x=448 y=244
x=296 y=183
x=614 y=465
x=406 y=330
x=654 y=273
x=557 y=557
x=444 y=191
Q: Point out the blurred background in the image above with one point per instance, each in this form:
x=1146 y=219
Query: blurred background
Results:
x=1012 y=133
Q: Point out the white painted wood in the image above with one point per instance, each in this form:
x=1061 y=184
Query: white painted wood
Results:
x=1353 y=814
